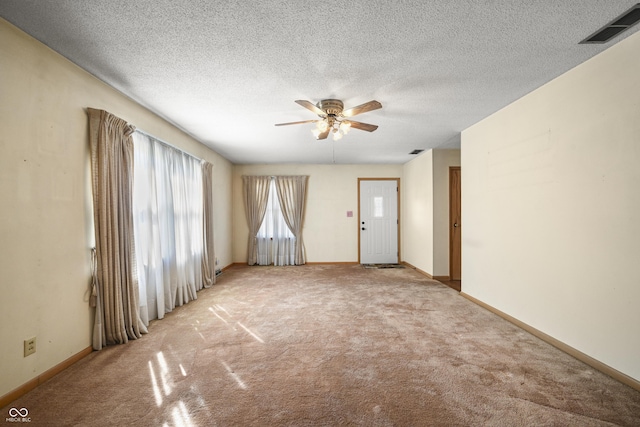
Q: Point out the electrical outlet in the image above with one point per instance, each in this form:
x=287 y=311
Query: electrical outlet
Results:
x=29 y=346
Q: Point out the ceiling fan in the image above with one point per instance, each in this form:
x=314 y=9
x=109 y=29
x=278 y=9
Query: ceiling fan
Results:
x=334 y=118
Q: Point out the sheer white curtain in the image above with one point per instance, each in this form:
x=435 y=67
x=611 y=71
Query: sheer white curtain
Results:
x=168 y=226
x=276 y=242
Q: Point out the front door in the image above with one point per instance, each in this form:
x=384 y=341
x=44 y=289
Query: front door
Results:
x=378 y=221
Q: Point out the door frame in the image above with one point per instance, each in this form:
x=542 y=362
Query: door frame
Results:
x=397 y=180
x=452 y=219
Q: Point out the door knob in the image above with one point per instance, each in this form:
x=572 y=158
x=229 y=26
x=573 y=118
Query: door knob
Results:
x=455 y=225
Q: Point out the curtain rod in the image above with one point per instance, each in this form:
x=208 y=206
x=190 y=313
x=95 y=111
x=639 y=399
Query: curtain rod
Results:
x=160 y=141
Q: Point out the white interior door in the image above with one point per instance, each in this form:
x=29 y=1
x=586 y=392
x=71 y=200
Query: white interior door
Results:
x=378 y=222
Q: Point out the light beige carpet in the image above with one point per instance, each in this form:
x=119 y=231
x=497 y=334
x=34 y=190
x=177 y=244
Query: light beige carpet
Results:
x=329 y=345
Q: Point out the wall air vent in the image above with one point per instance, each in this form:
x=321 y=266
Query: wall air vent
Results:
x=615 y=27
x=416 y=151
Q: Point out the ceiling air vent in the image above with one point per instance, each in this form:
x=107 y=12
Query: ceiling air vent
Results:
x=615 y=27
x=416 y=151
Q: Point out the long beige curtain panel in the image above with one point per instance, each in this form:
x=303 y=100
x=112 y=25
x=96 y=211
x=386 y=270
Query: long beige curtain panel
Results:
x=256 y=194
x=208 y=255
x=117 y=315
x=292 y=192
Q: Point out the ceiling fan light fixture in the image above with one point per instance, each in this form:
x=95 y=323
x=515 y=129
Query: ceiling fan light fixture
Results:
x=316 y=132
x=345 y=126
x=337 y=134
x=322 y=125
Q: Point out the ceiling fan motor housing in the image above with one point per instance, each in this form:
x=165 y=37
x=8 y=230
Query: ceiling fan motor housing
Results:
x=332 y=107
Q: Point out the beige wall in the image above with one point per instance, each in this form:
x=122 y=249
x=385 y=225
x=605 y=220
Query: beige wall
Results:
x=329 y=235
x=417 y=212
x=425 y=212
x=550 y=206
x=46 y=228
x=442 y=161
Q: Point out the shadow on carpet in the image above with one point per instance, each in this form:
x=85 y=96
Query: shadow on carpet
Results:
x=383 y=266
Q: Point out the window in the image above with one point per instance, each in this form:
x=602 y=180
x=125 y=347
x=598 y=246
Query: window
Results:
x=276 y=242
x=168 y=226
x=378 y=207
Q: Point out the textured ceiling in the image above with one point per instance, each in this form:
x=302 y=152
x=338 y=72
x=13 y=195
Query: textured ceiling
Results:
x=226 y=71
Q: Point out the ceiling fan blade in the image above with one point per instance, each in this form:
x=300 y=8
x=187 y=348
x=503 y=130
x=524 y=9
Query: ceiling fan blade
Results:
x=363 y=108
x=296 y=123
x=324 y=134
x=309 y=106
x=363 y=126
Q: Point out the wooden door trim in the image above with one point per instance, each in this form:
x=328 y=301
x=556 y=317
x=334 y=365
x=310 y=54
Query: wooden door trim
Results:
x=397 y=180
